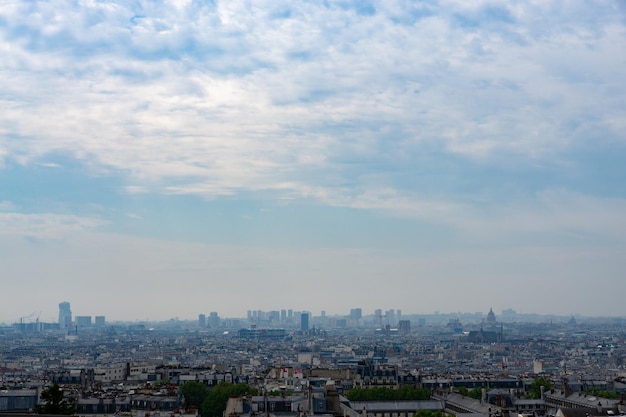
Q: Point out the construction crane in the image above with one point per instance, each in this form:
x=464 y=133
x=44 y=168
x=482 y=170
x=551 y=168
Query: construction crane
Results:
x=30 y=316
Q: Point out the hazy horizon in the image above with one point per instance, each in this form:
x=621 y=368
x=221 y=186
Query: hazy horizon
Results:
x=507 y=315
x=190 y=156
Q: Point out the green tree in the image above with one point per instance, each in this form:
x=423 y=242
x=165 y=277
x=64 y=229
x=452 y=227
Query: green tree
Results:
x=429 y=413
x=475 y=393
x=388 y=394
x=602 y=394
x=195 y=393
x=534 y=392
x=215 y=402
x=54 y=402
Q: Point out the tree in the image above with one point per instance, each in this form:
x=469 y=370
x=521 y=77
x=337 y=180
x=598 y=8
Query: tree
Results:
x=475 y=393
x=215 y=402
x=534 y=392
x=195 y=393
x=429 y=413
x=55 y=402
x=602 y=394
x=388 y=394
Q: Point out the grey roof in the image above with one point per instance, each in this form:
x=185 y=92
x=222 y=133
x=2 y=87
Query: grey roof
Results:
x=469 y=403
x=396 y=406
x=18 y=393
x=525 y=401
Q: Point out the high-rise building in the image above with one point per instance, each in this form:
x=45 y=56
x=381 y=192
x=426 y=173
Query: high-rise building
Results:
x=390 y=316
x=273 y=316
x=201 y=320
x=356 y=314
x=404 y=326
x=378 y=316
x=100 y=321
x=304 y=322
x=214 y=320
x=65 y=315
x=83 y=321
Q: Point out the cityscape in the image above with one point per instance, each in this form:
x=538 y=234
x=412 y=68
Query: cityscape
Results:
x=295 y=363
x=320 y=208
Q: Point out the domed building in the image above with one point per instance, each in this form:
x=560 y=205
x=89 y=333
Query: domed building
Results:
x=489 y=331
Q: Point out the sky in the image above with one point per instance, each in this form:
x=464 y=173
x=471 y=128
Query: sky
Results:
x=163 y=159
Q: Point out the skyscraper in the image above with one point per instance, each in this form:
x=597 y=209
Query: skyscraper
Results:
x=356 y=314
x=83 y=321
x=214 y=320
x=304 y=322
x=65 y=315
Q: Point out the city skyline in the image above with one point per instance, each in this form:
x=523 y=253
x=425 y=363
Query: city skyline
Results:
x=273 y=316
x=158 y=157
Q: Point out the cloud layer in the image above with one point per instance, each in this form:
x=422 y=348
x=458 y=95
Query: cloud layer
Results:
x=219 y=97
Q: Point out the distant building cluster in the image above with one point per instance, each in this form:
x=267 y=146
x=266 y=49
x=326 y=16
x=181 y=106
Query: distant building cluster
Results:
x=79 y=322
x=65 y=322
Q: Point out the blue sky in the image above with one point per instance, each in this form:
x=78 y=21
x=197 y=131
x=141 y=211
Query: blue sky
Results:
x=165 y=159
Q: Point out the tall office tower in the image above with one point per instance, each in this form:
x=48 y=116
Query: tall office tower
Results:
x=83 y=321
x=100 y=321
x=304 y=322
x=290 y=314
x=65 y=315
x=378 y=317
x=201 y=320
x=404 y=326
x=356 y=314
x=214 y=320
x=283 y=316
x=273 y=316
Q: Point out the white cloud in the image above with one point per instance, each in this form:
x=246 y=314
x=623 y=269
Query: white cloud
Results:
x=82 y=100
x=217 y=100
x=45 y=226
x=7 y=206
x=562 y=217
